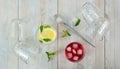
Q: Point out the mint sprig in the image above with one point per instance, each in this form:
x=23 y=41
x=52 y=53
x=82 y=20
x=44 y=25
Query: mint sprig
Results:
x=44 y=26
x=50 y=54
x=41 y=28
x=66 y=33
x=40 y=41
x=47 y=26
x=47 y=39
x=77 y=22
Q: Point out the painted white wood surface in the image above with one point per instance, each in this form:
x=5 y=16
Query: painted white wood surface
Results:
x=8 y=12
x=100 y=43
x=37 y=12
x=29 y=11
x=110 y=37
x=117 y=34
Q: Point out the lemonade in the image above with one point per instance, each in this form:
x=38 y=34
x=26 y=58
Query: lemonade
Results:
x=46 y=34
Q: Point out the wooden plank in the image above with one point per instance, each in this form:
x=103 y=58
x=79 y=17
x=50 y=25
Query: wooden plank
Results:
x=48 y=10
x=67 y=9
x=24 y=10
x=110 y=37
x=99 y=43
x=29 y=12
x=8 y=12
x=22 y=14
x=117 y=34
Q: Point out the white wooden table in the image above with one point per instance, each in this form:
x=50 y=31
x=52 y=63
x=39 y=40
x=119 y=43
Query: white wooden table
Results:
x=37 y=11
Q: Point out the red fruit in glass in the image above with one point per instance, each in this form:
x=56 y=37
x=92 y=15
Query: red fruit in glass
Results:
x=74 y=52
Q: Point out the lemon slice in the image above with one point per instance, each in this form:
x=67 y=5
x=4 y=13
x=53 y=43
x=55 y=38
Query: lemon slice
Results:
x=47 y=35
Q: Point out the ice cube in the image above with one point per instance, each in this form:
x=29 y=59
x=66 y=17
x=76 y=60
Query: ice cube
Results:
x=75 y=58
x=79 y=52
x=70 y=55
x=74 y=19
x=75 y=46
x=69 y=49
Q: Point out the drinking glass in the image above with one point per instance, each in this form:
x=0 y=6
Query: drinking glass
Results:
x=25 y=43
x=97 y=21
x=93 y=23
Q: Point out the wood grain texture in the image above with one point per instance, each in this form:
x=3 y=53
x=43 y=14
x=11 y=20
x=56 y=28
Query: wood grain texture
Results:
x=8 y=12
x=117 y=34
x=67 y=10
x=37 y=12
x=29 y=13
x=48 y=9
x=100 y=43
x=110 y=37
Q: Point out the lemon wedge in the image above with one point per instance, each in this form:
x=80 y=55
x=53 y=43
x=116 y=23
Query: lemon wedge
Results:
x=47 y=35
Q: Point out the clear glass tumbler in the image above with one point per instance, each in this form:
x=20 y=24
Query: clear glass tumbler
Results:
x=25 y=43
x=97 y=21
x=92 y=23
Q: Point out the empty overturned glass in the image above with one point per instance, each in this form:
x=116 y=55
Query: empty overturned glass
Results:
x=88 y=24
x=26 y=51
x=26 y=46
x=97 y=21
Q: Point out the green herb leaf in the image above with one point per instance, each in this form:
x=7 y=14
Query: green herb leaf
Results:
x=41 y=28
x=50 y=54
x=47 y=26
x=66 y=33
x=47 y=39
x=40 y=41
x=77 y=22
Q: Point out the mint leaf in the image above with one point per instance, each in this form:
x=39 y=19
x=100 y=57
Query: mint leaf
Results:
x=50 y=54
x=77 y=22
x=40 y=41
x=66 y=33
x=47 y=39
x=41 y=28
x=47 y=26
